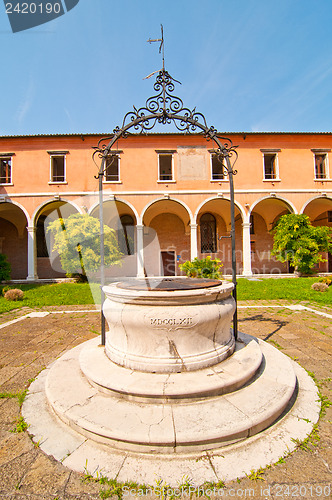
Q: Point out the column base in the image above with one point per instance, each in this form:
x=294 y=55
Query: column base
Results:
x=32 y=278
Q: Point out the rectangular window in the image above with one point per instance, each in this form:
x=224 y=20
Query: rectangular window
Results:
x=321 y=163
x=320 y=166
x=112 y=171
x=270 y=164
x=58 y=168
x=329 y=216
x=165 y=167
x=218 y=167
x=5 y=170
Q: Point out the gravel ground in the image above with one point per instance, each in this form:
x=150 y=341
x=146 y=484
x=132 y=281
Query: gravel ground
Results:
x=29 y=345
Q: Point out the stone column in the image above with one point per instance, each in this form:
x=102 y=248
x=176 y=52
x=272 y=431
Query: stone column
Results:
x=32 y=254
x=193 y=241
x=246 y=249
x=140 y=251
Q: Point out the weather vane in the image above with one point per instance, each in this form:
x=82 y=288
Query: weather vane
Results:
x=161 y=48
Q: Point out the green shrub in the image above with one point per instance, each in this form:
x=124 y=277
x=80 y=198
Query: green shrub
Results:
x=77 y=277
x=6 y=288
x=326 y=280
x=300 y=243
x=202 y=268
x=5 y=268
x=77 y=240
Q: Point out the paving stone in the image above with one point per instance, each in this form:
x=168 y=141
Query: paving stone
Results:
x=52 y=480
x=77 y=487
x=12 y=472
x=13 y=446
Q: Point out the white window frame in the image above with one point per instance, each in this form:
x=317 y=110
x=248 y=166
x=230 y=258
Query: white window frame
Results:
x=320 y=152
x=166 y=152
x=275 y=152
x=63 y=154
x=225 y=178
x=118 y=181
x=8 y=156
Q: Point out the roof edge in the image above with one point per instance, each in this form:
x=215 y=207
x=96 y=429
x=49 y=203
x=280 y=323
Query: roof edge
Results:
x=109 y=134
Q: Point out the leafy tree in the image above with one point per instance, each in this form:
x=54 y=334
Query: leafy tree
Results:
x=202 y=268
x=297 y=241
x=5 y=268
x=77 y=240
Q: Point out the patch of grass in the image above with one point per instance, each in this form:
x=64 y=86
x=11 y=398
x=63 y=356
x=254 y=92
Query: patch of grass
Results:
x=57 y=294
x=256 y=475
x=21 y=396
x=92 y=330
x=324 y=400
x=311 y=440
x=294 y=289
x=161 y=489
x=20 y=426
x=275 y=344
x=325 y=403
x=11 y=395
x=8 y=395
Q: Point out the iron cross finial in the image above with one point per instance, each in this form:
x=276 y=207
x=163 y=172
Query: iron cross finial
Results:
x=161 y=47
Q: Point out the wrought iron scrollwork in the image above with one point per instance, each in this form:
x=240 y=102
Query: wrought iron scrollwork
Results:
x=166 y=108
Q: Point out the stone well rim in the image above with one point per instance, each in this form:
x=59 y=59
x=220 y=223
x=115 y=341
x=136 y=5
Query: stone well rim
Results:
x=206 y=294
x=167 y=283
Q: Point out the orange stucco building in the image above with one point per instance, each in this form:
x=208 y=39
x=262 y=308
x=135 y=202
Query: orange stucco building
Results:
x=169 y=185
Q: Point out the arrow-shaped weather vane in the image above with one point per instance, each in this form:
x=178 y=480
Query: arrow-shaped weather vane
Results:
x=161 y=48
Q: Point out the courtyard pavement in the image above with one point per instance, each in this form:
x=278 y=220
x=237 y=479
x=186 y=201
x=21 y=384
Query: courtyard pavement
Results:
x=31 y=340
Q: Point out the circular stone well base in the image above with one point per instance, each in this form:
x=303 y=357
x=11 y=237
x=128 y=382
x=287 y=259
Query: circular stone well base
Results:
x=74 y=438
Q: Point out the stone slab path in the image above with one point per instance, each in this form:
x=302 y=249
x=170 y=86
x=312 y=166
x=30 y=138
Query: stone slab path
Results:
x=30 y=344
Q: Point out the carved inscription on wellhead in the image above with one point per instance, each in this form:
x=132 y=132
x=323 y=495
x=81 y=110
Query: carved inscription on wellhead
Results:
x=173 y=321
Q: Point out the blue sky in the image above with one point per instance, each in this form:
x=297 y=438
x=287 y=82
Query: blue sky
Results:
x=247 y=65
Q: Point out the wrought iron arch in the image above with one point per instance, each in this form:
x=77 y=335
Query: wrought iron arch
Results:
x=166 y=108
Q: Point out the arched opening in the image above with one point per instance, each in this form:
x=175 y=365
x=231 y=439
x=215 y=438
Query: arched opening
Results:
x=14 y=239
x=208 y=230
x=263 y=219
x=166 y=237
x=319 y=211
x=214 y=233
x=49 y=264
x=120 y=217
